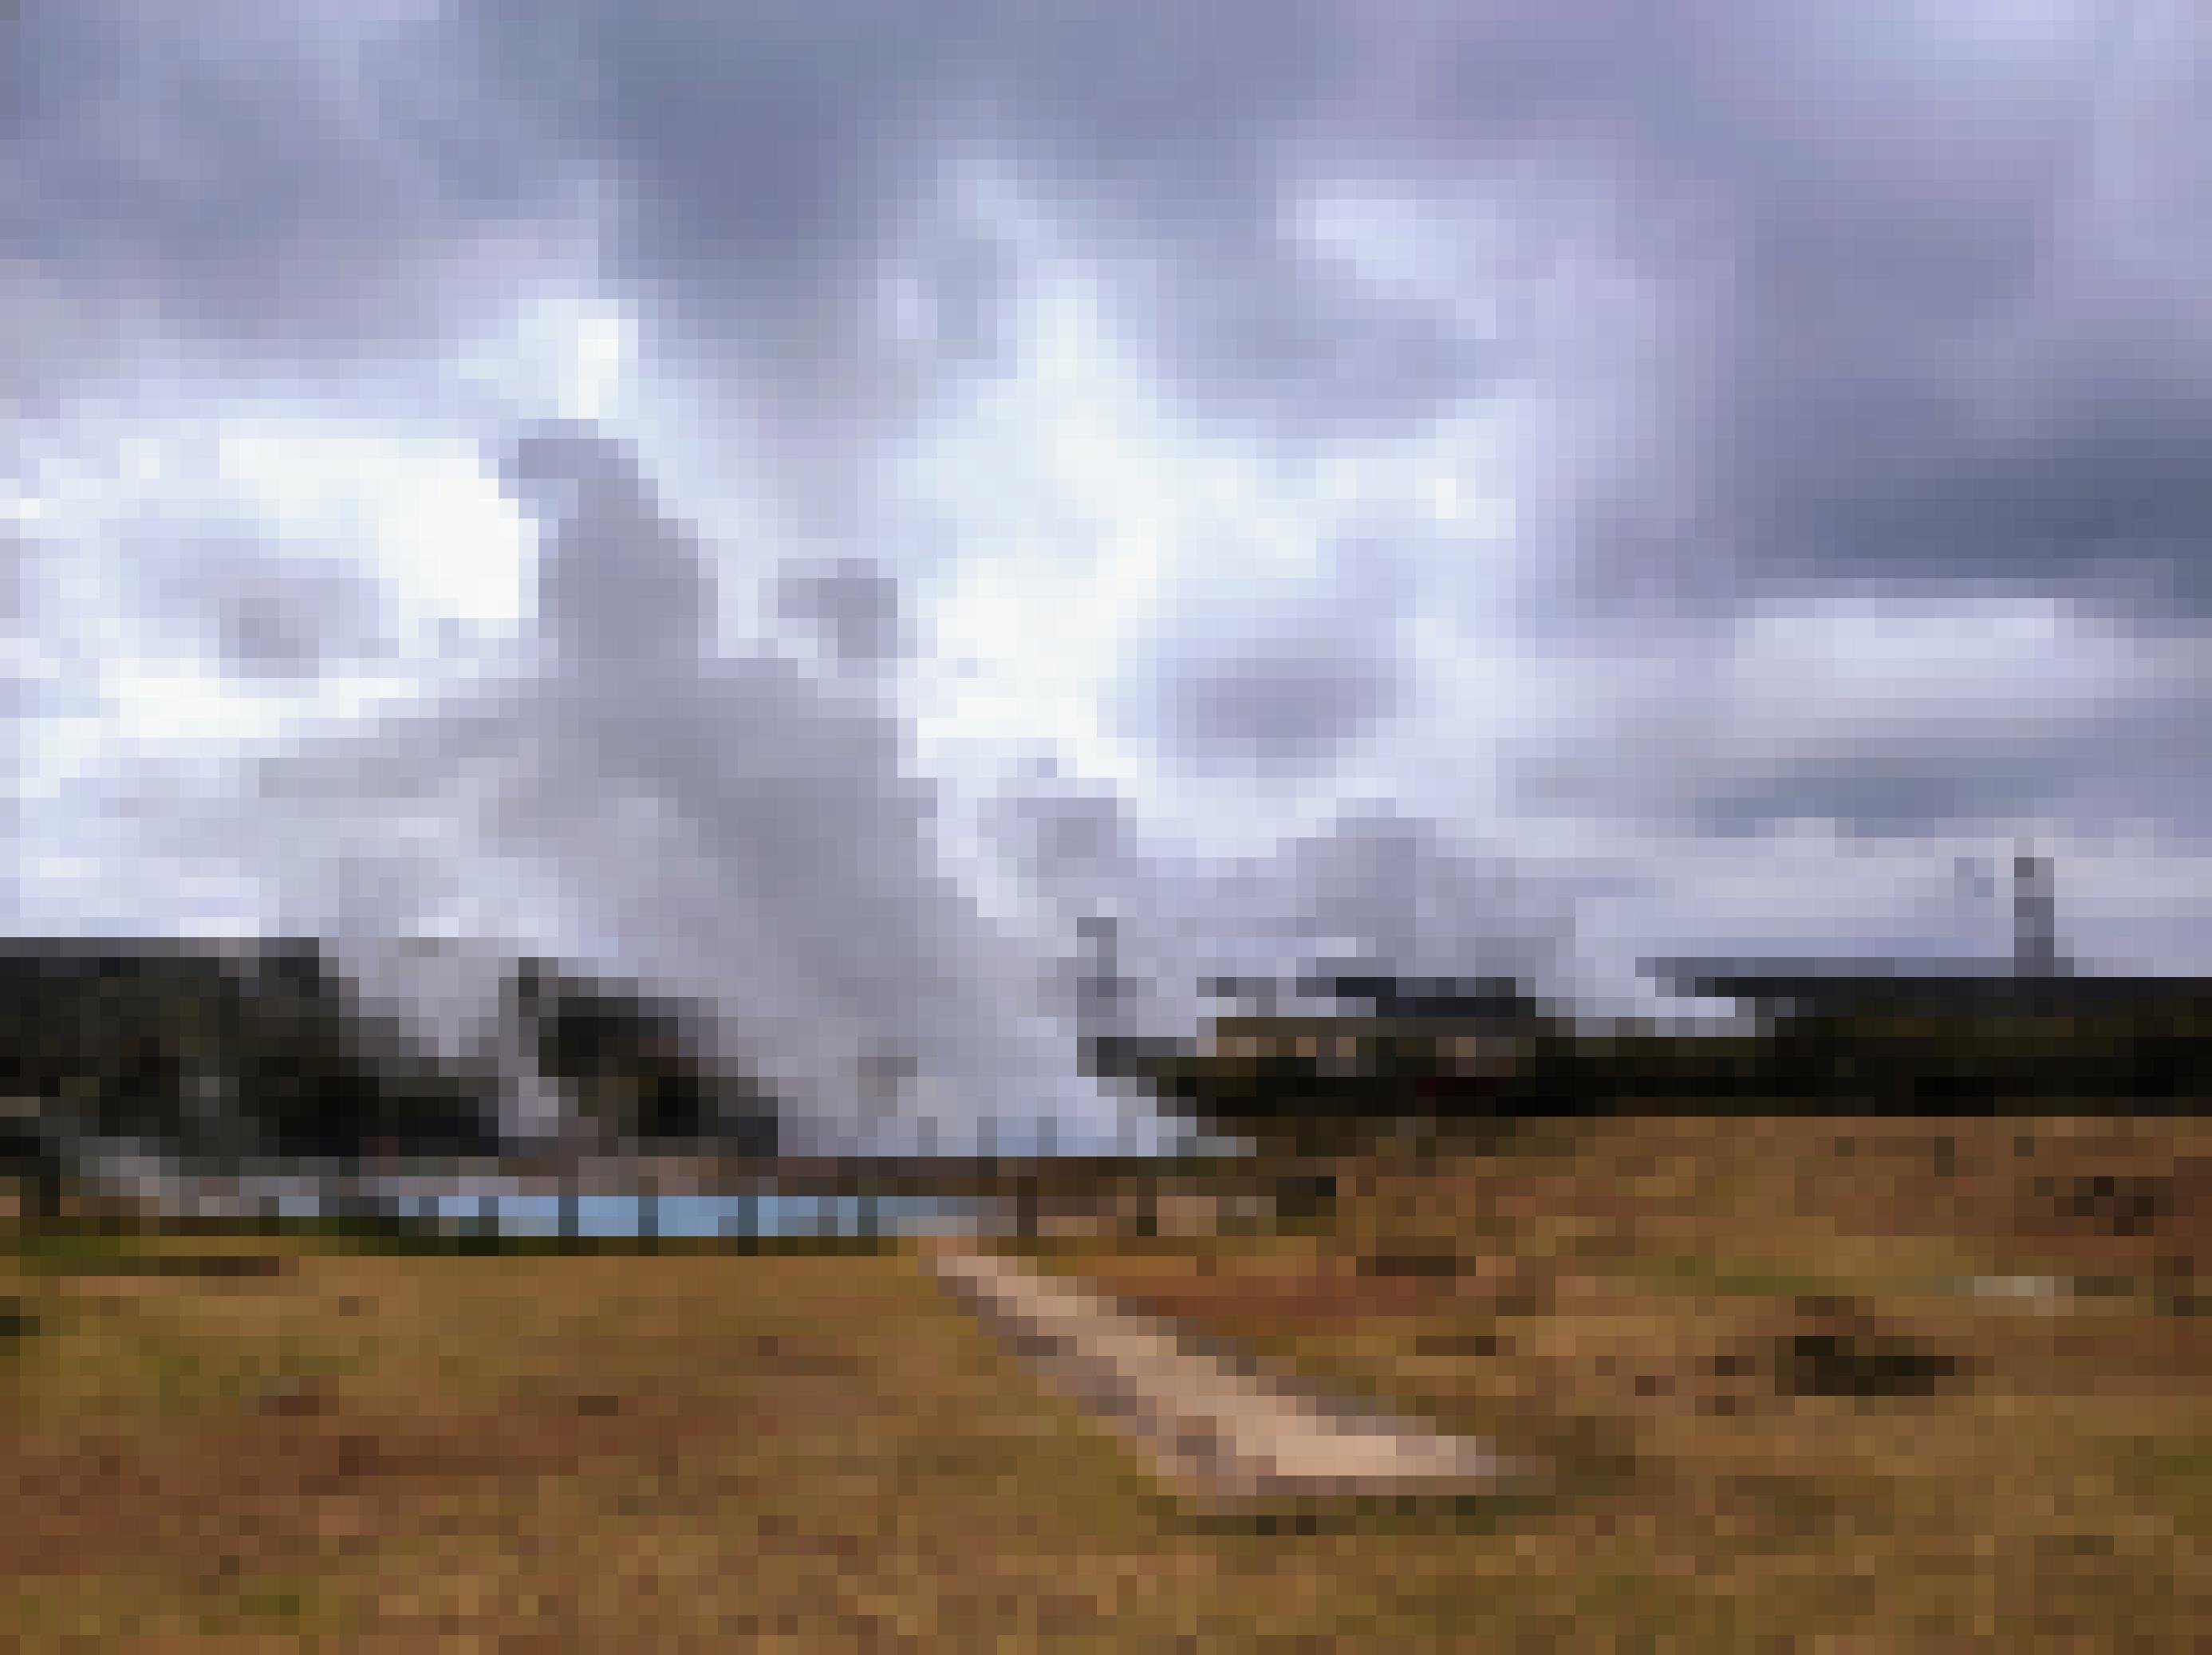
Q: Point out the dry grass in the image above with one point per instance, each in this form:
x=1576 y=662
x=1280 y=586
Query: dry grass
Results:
x=716 y=1450
x=1661 y=1305
x=607 y=1452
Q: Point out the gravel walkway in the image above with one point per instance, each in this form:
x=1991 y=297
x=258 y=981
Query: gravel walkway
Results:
x=1215 y=1425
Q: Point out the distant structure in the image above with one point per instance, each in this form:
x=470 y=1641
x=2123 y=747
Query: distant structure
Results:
x=2034 y=920
x=1101 y=988
x=1496 y=1002
x=2040 y=980
x=1504 y=1002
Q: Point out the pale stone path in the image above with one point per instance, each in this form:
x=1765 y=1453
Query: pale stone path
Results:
x=1217 y=1427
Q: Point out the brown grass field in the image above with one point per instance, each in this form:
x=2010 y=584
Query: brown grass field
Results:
x=1772 y=1428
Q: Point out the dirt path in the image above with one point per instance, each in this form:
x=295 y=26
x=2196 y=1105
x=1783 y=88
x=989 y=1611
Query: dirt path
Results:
x=1215 y=1425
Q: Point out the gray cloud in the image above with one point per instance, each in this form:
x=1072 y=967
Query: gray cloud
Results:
x=1937 y=281
x=773 y=165
x=1953 y=335
x=1282 y=705
x=1912 y=714
x=300 y=192
x=1279 y=679
x=220 y=588
x=851 y=606
x=1783 y=309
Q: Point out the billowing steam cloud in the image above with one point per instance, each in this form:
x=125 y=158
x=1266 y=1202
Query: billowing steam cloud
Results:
x=757 y=840
x=787 y=869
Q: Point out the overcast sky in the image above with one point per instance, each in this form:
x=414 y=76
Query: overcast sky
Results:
x=802 y=500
